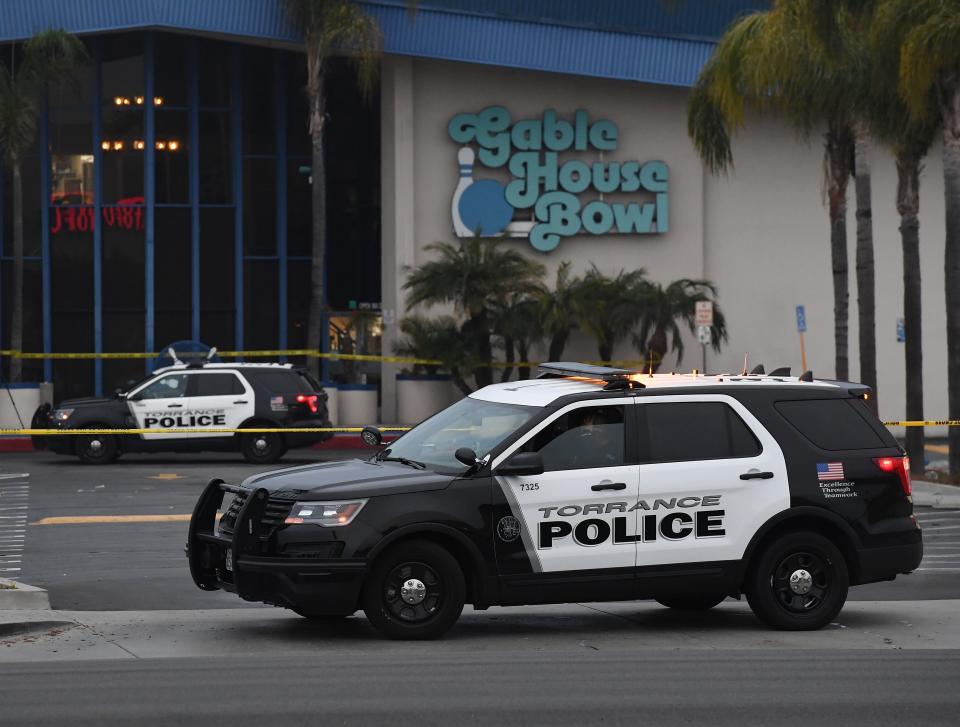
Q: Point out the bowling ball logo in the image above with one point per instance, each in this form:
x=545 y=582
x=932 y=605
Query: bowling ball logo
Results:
x=479 y=206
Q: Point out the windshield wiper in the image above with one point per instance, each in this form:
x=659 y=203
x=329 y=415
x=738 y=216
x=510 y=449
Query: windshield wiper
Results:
x=403 y=460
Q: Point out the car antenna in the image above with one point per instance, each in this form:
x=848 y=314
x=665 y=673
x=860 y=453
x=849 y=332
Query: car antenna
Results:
x=173 y=355
x=744 y=372
x=211 y=353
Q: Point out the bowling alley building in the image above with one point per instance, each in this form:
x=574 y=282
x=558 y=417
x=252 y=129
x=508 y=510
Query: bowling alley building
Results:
x=167 y=196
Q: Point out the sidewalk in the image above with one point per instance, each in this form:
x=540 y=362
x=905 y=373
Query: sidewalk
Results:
x=611 y=627
x=933 y=494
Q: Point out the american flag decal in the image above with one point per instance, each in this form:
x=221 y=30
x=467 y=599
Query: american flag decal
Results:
x=827 y=471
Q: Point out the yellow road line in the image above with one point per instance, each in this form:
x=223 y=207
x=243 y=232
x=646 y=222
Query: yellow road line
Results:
x=102 y=519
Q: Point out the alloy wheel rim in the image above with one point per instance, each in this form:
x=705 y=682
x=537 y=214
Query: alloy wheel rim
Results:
x=413 y=592
x=801 y=582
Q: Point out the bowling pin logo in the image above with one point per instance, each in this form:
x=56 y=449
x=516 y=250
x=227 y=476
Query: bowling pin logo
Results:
x=478 y=206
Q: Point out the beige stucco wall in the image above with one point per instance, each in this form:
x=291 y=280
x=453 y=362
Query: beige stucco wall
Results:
x=760 y=233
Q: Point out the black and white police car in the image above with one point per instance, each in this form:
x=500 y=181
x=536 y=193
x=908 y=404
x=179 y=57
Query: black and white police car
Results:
x=586 y=484
x=198 y=396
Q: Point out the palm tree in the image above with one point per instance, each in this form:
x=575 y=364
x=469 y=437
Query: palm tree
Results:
x=663 y=308
x=518 y=321
x=436 y=339
x=329 y=26
x=776 y=61
x=607 y=308
x=558 y=310
x=50 y=54
x=909 y=137
x=475 y=276
x=930 y=66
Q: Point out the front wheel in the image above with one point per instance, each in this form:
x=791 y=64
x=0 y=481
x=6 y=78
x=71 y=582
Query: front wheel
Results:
x=262 y=448
x=414 y=591
x=799 y=583
x=97 y=448
x=692 y=603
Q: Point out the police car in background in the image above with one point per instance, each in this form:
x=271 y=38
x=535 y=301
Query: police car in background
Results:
x=586 y=484
x=201 y=396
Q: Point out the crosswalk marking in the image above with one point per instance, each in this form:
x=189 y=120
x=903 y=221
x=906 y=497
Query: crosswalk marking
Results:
x=14 y=507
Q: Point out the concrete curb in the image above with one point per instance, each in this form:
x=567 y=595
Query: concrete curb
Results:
x=933 y=494
x=16 y=596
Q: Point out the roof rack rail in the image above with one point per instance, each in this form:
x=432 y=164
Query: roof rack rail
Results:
x=782 y=371
x=806 y=376
x=758 y=370
x=554 y=369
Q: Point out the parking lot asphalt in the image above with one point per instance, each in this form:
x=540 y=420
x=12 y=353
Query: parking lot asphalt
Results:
x=79 y=532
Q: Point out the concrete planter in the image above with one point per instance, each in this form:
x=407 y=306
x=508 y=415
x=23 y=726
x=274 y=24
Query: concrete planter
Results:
x=333 y=403
x=357 y=405
x=421 y=396
x=18 y=402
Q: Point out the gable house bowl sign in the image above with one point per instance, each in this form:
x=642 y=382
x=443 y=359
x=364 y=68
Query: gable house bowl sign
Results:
x=565 y=197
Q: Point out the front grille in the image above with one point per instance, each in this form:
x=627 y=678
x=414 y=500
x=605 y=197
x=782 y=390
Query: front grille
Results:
x=274 y=514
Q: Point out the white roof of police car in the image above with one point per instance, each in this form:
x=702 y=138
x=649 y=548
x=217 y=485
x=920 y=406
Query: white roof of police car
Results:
x=221 y=366
x=541 y=392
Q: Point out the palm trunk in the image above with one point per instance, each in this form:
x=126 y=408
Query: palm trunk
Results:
x=16 y=318
x=523 y=348
x=951 y=188
x=605 y=350
x=838 y=153
x=458 y=379
x=508 y=354
x=319 y=204
x=908 y=205
x=476 y=331
x=866 y=296
x=558 y=342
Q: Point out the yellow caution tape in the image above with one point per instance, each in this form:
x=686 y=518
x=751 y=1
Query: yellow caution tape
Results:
x=251 y=430
x=925 y=423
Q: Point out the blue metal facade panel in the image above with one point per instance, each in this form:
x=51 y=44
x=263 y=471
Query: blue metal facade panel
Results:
x=652 y=46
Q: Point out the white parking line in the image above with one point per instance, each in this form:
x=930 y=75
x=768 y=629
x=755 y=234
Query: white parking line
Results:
x=14 y=507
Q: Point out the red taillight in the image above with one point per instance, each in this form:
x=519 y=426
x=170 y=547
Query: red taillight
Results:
x=308 y=399
x=900 y=465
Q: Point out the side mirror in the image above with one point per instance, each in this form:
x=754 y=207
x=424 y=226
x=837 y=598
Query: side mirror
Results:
x=467 y=456
x=371 y=436
x=523 y=463
x=119 y=394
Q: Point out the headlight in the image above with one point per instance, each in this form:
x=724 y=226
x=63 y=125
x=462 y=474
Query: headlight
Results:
x=61 y=415
x=328 y=514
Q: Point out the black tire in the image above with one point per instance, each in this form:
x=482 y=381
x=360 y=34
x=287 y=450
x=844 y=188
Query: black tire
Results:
x=441 y=599
x=692 y=603
x=262 y=448
x=789 y=607
x=97 y=448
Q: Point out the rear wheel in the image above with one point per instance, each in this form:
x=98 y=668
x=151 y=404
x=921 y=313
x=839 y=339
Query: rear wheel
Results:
x=262 y=448
x=97 y=448
x=798 y=583
x=692 y=603
x=414 y=591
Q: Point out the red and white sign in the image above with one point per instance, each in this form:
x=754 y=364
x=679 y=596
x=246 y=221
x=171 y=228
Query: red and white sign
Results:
x=704 y=313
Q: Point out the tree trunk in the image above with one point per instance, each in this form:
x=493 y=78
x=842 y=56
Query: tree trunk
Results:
x=16 y=317
x=460 y=381
x=508 y=354
x=866 y=296
x=656 y=349
x=476 y=331
x=558 y=342
x=839 y=148
x=523 y=348
x=315 y=92
x=908 y=205
x=951 y=188
x=605 y=350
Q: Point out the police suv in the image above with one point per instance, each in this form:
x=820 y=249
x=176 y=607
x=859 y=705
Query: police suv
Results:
x=197 y=396
x=585 y=484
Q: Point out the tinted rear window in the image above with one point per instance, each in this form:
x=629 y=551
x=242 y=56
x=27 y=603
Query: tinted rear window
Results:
x=284 y=382
x=696 y=430
x=217 y=385
x=832 y=424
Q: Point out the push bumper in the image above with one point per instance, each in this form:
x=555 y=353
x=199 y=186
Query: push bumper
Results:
x=237 y=562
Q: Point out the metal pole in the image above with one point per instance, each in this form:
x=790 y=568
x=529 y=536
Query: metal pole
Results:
x=704 y=347
x=803 y=353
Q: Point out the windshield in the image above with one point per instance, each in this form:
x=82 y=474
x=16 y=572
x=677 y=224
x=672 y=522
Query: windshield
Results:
x=479 y=425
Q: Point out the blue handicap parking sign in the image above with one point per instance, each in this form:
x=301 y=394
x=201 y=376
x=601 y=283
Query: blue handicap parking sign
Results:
x=801 y=319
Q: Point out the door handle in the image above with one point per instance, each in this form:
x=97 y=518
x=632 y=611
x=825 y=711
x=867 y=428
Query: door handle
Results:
x=174 y=406
x=756 y=475
x=609 y=486
x=242 y=401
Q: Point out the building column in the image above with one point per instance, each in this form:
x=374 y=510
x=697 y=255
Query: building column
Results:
x=397 y=225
